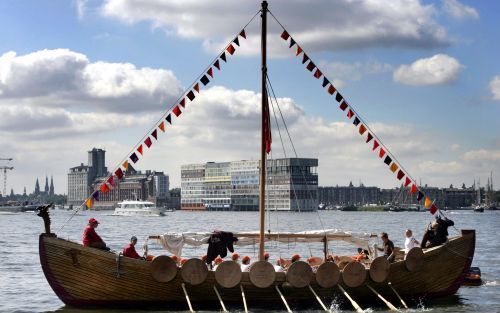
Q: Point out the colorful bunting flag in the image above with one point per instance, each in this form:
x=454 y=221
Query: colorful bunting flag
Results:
x=407 y=181
x=89 y=203
x=375 y=145
x=310 y=66
x=413 y=188
x=433 y=209
x=155 y=134
x=343 y=106
x=204 y=80
x=318 y=73
x=427 y=202
x=362 y=129
x=230 y=49
x=393 y=167
x=242 y=34
x=183 y=102
x=177 y=111
x=369 y=138
x=125 y=165
x=400 y=175
x=217 y=65
x=95 y=195
x=191 y=95
x=388 y=160
x=292 y=42
x=119 y=173
x=325 y=81
x=134 y=157
x=305 y=58
x=104 y=188
x=223 y=57
x=420 y=195
x=381 y=153
x=298 y=51
x=285 y=35
x=111 y=181
x=331 y=89
x=338 y=97
x=162 y=126
x=148 y=142
x=139 y=149
x=210 y=72
x=197 y=88
x=350 y=114
x=356 y=121
x=169 y=119
x=236 y=41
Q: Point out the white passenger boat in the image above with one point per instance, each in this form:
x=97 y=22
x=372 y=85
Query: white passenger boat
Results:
x=138 y=208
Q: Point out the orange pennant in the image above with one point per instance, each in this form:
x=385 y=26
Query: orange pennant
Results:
x=89 y=203
x=104 y=188
x=162 y=126
x=299 y=50
x=427 y=202
x=125 y=165
x=362 y=129
x=197 y=88
x=394 y=167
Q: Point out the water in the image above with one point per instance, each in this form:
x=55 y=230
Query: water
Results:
x=23 y=287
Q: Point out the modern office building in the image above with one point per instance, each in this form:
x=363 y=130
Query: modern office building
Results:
x=78 y=184
x=292 y=185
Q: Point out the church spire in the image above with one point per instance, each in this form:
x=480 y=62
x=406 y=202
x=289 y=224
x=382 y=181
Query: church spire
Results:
x=51 y=191
x=37 y=187
x=46 y=189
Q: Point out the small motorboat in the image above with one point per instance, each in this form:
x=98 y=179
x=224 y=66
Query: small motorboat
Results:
x=138 y=208
x=473 y=277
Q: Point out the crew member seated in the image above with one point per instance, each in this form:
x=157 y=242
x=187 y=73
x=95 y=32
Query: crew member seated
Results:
x=245 y=264
x=91 y=238
x=360 y=256
x=129 y=250
x=437 y=234
x=389 y=252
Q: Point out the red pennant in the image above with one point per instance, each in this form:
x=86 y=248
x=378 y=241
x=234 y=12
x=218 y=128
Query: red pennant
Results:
x=197 y=88
x=148 y=142
x=433 y=209
x=111 y=180
x=139 y=149
x=104 y=188
x=183 y=102
x=217 y=65
x=162 y=126
x=375 y=145
x=331 y=89
x=119 y=173
x=350 y=114
x=230 y=49
x=209 y=72
x=343 y=106
x=242 y=34
x=381 y=153
x=407 y=181
x=401 y=174
x=155 y=134
x=285 y=35
x=369 y=138
x=177 y=111
x=299 y=50
x=413 y=188
x=318 y=73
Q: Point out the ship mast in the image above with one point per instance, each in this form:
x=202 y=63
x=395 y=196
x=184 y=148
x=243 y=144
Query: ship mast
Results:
x=262 y=190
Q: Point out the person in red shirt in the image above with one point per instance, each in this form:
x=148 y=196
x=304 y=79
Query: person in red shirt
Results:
x=91 y=238
x=129 y=250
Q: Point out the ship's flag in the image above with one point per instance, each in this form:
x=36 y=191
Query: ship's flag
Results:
x=169 y=119
x=369 y=137
x=362 y=129
x=375 y=145
x=95 y=195
x=204 y=80
x=139 y=149
x=223 y=57
x=413 y=188
x=125 y=165
x=242 y=34
x=191 y=95
x=350 y=114
x=433 y=209
x=155 y=134
x=381 y=153
x=104 y=188
x=177 y=111
x=210 y=72
x=197 y=88
x=299 y=50
x=217 y=65
x=183 y=102
x=148 y=142
x=325 y=81
x=236 y=41
x=89 y=203
x=407 y=181
x=400 y=175
x=119 y=173
x=292 y=42
x=331 y=89
x=420 y=195
x=338 y=97
x=318 y=73
x=427 y=202
x=343 y=106
x=305 y=58
x=285 y=35
x=393 y=167
x=310 y=66
x=111 y=181
x=134 y=157
x=230 y=49
x=356 y=121
x=162 y=126
x=387 y=160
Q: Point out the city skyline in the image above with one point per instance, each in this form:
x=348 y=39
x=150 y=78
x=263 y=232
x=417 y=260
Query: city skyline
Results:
x=79 y=74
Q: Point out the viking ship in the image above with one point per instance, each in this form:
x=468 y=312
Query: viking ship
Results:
x=88 y=277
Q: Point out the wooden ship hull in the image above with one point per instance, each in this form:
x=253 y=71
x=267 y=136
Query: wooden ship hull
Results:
x=88 y=277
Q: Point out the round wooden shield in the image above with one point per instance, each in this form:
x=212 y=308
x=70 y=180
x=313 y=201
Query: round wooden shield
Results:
x=379 y=269
x=327 y=275
x=354 y=274
x=194 y=271
x=228 y=274
x=262 y=274
x=414 y=259
x=163 y=269
x=299 y=274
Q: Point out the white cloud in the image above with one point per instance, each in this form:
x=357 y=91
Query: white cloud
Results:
x=354 y=71
x=81 y=7
x=63 y=78
x=495 y=87
x=459 y=10
x=482 y=155
x=436 y=70
x=432 y=168
x=318 y=26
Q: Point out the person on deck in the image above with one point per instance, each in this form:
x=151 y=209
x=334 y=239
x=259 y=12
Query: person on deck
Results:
x=279 y=267
x=91 y=238
x=388 y=248
x=129 y=250
x=295 y=258
x=235 y=257
x=360 y=256
x=410 y=241
x=245 y=264
x=437 y=234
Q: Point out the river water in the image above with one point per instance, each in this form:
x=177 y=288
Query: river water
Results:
x=23 y=287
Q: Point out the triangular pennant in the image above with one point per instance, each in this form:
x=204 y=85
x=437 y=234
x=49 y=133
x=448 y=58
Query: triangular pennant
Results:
x=318 y=73
x=111 y=180
x=177 y=111
x=299 y=50
x=369 y=138
x=242 y=34
x=420 y=195
x=325 y=82
x=285 y=35
x=204 y=80
x=338 y=97
x=223 y=57
x=381 y=153
x=305 y=58
x=427 y=202
x=230 y=49
x=310 y=66
x=89 y=203
x=388 y=160
x=95 y=195
x=155 y=134
x=210 y=72
x=134 y=157
x=343 y=106
x=356 y=121
x=104 y=188
x=119 y=173
x=197 y=88
x=191 y=95
x=169 y=119
x=331 y=89
x=217 y=65
x=350 y=114
x=433 y=209
x=125 y=165
x=236 y=41
x=400 y=175
x=393 y=167
x=292 y=42
x=139 y=149
x=183 y=102
x=362 y=129
x=162 y=126
x=148 y=142
x=375 y=145
x=413 y=188
x=407 y=181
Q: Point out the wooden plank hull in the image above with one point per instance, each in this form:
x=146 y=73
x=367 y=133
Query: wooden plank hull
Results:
x=84 y=277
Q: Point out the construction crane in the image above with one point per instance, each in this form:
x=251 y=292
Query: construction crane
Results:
x=5 y=168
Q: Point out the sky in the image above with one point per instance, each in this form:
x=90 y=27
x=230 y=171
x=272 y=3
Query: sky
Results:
x=423 y=75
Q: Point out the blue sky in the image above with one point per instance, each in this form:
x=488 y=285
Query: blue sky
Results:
x=425 y=76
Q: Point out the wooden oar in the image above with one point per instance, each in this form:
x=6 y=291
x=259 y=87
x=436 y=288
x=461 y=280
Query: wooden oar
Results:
x=354 y=304
x=317 y=298
x=243 y=297
x=389 y=305
x=283 y=299
x=187 y=297
x=397 y=294
x=220 y=299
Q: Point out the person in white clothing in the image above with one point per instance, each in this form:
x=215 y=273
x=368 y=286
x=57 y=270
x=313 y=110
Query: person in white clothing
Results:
x=410 y=241
x=245 y=264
